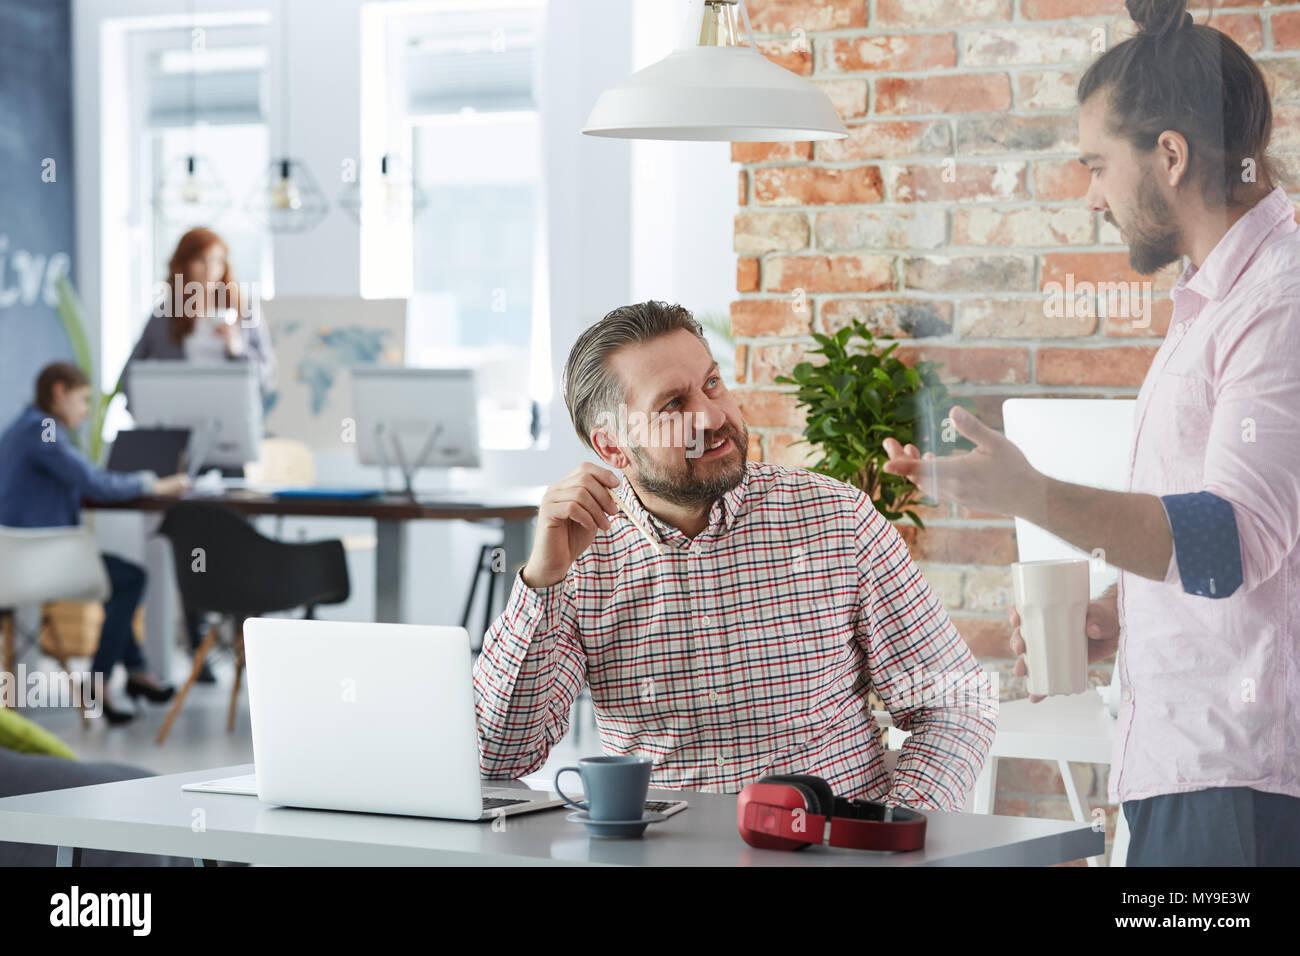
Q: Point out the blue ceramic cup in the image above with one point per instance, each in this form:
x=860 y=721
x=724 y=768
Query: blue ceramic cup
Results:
x=615 y=787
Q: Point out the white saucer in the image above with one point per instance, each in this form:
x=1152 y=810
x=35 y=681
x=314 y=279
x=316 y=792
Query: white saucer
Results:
x=616 y=828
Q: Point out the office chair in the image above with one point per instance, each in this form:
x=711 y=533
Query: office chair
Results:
x=224 y=566
x=42 y=566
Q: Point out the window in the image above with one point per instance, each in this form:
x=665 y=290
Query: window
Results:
x=462 y=122
x=181 y=91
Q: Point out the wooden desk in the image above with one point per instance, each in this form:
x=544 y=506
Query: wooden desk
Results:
x=510 y=505
x=514 y=508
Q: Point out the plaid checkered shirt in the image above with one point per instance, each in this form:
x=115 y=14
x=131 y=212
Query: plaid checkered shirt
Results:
x=746 y=651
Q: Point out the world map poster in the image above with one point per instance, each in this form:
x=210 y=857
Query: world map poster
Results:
x=317 y=340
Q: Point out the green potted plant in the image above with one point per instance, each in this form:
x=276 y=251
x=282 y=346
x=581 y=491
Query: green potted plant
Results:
x=72 y=315
x=861 y=395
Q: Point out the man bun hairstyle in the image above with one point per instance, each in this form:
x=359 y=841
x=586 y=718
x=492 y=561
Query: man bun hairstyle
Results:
x=1176 y=74
x=1159 y=18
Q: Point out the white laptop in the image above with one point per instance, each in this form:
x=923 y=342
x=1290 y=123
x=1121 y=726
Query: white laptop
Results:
x=370 y=717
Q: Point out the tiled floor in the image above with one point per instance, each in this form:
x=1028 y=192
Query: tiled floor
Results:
x=199 y=739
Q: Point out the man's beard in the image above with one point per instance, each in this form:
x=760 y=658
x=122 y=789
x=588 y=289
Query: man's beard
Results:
x=690 y=489
x=1153 y=237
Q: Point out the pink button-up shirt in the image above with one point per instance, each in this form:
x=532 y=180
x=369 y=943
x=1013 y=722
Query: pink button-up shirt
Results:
x=1211 y=685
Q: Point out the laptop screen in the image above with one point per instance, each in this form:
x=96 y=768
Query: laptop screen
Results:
x=160 y=450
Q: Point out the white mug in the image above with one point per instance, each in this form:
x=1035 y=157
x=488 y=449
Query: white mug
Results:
x=1052 y=600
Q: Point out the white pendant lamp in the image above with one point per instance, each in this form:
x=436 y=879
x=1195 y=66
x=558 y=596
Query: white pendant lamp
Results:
x=713 y=87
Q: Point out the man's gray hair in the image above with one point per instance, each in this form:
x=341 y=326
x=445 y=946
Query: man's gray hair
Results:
x=590 y=388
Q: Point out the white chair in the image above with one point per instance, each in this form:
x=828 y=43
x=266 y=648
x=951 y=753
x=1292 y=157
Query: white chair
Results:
x=1087 y=442
x=42 y=565
x=282 y=461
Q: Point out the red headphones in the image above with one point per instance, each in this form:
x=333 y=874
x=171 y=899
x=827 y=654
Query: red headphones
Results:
x=796 y=810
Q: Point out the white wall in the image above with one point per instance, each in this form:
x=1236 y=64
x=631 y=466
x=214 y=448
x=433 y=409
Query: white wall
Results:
x=613 y=239
x=684 y=197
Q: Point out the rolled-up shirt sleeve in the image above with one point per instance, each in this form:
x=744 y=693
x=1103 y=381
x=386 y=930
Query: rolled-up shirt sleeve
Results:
x=1207 y=548
x=1252 y=461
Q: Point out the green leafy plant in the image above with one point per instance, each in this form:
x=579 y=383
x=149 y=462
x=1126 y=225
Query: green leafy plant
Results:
x=861 y=395
x=72 y=314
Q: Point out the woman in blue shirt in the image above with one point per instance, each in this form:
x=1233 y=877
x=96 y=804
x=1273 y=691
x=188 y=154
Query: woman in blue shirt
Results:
x=43 y=479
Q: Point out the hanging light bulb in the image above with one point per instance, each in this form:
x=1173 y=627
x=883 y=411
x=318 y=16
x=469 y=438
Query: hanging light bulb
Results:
x=287 y=199
x=393 y=192
x=391 y=199
x=719 y=27
x=401 y=192
x=715 y=87
x=285 y=194
x=189 y=192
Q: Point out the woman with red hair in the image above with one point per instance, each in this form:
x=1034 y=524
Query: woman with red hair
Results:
x=203 y=316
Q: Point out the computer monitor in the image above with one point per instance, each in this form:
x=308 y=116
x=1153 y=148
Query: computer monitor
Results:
x=415 y=418
x=219 y=404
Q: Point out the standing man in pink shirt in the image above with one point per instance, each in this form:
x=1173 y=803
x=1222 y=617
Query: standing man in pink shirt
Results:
x=1174 y=128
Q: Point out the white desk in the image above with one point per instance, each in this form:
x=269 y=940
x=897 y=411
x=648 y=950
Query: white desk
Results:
x=153 y=815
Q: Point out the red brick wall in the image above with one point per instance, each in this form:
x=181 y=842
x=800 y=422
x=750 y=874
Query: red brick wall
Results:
x=954 y=202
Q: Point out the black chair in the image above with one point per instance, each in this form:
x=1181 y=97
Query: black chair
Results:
x=223 y=565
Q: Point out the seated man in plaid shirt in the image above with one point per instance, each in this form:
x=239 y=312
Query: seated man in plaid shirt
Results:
x=730 y=616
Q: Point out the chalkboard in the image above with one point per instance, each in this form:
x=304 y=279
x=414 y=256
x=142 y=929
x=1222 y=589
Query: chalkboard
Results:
x=37 y=226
